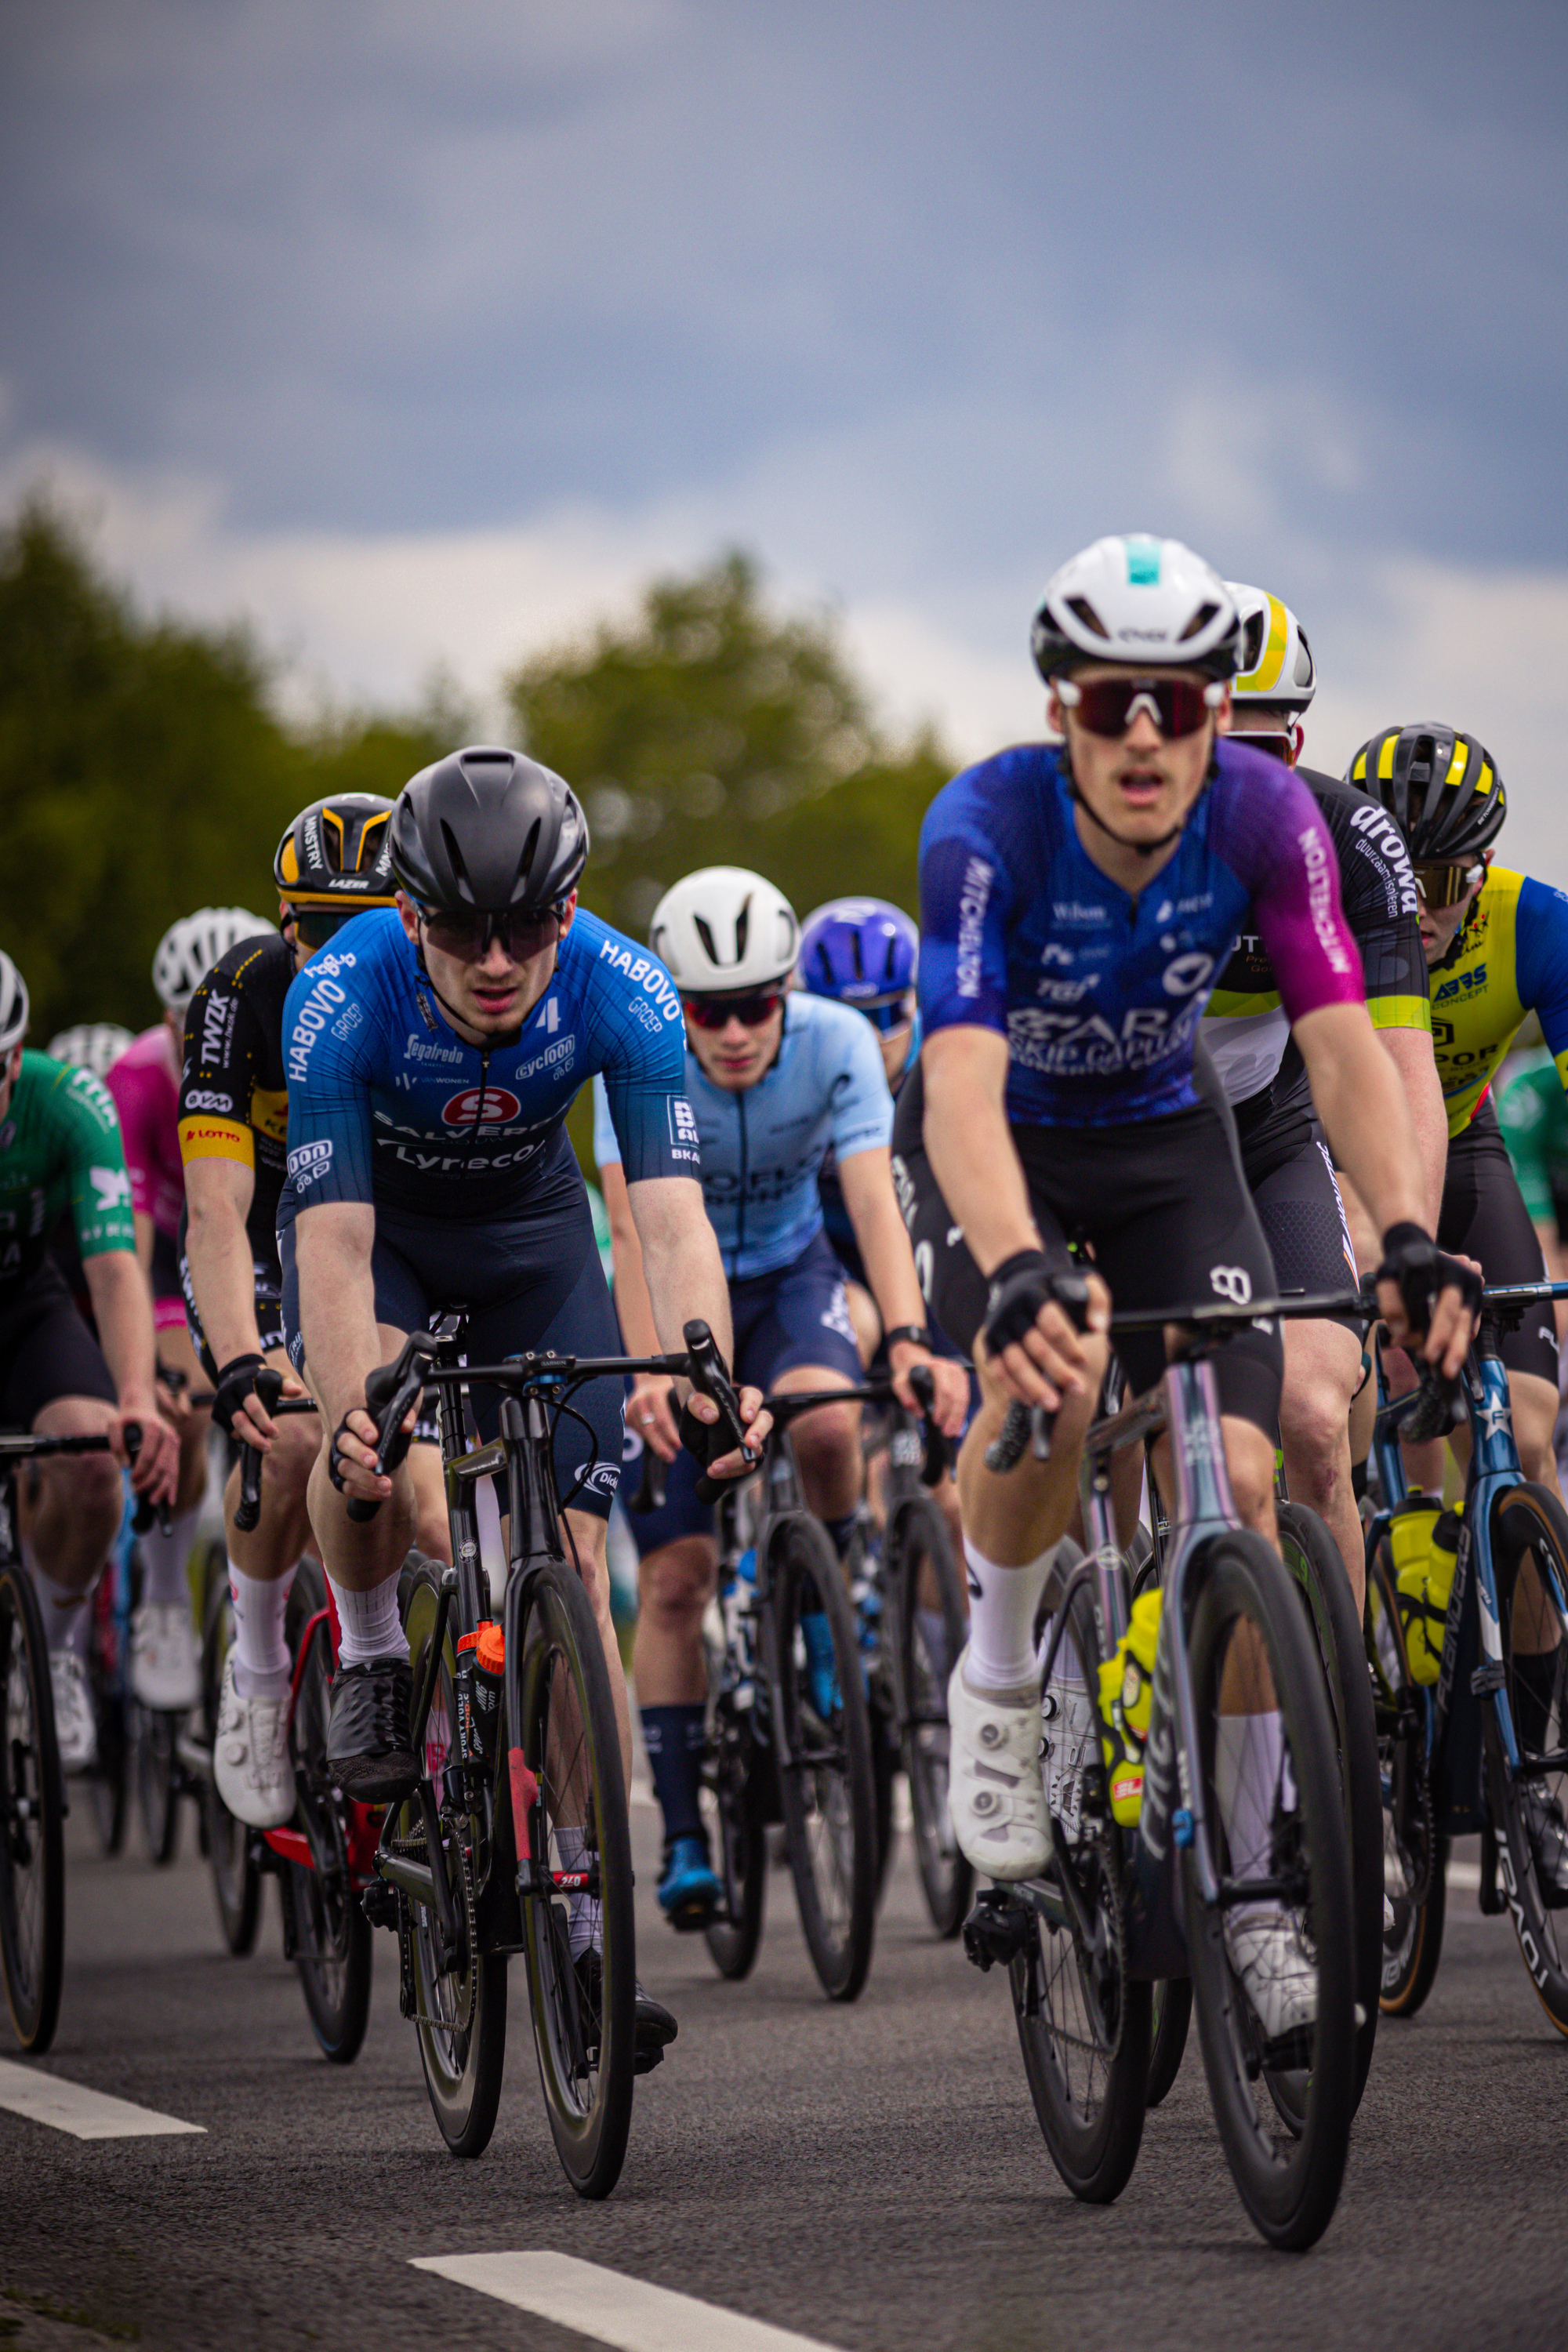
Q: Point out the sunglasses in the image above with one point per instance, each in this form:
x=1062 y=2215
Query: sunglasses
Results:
x=718 y=1011
x=315 y=926
x=1279 y=747
x=523 y=931
x=1444 y=886
x=1109 y=706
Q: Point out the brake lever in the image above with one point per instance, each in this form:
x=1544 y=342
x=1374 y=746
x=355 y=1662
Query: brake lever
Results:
x=147 y=1513
x=706 y=1371
x=935 y=1457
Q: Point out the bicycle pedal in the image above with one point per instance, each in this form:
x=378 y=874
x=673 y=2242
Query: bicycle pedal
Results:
x=378 y=1901
x=996 y=1929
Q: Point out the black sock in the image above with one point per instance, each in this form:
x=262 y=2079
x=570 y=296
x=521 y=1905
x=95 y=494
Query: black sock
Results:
x=842 y=1532
x=1534 y=1681
x=675 y=1738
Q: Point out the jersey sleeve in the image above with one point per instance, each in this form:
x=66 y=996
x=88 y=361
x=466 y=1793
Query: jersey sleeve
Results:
x=640 y=1044
x=100 y=1187
x=1295 y=883
x=606 y=1143
x=1377 y=889
x=327 y=1061
x=225 y=1055
x=862 y=1103
x=1541 y=936
x=965 y=894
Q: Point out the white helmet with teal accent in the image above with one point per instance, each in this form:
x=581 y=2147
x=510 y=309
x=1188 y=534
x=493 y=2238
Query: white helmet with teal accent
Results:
x=1150 y=603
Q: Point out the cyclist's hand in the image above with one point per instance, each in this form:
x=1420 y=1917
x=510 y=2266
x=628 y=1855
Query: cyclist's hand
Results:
x=351 y=1465
x=245 y=1389
x=1429 y=1299
x=156 y=1469
x=755 y=1422
x=950 y=1380
x=650 y=1411
x=1033 y=1339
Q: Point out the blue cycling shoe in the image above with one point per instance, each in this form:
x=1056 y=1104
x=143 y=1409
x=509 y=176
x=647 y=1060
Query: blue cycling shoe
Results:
x=689 y=1894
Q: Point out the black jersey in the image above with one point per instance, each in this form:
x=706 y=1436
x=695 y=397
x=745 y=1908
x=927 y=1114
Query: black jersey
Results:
x=234 y=1101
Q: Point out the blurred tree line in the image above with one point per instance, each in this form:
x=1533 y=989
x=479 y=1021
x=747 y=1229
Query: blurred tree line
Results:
x=144 y=769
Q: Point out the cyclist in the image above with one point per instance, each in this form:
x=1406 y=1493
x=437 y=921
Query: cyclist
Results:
x=1247 y=1033
x=775 y=1076
x=59 y=1148
x=1497 y=945
x=144 y=1080
x=1077 y=902
x=332 y=864
x=432 y=1054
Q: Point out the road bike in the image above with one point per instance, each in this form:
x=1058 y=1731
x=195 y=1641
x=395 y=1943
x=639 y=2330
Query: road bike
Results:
x=1120 y=1908
x=1486 y=1747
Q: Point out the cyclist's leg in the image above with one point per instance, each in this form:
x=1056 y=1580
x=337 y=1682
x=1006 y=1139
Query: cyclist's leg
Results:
x=165 y=1650
x=793 y=1334
x=677 y=1564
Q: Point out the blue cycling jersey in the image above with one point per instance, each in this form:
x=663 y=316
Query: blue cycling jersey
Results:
x=387 y=1104
x=1099 y=993
x=761 y=1150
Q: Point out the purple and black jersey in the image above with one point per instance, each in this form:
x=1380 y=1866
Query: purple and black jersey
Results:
x=1097 y=994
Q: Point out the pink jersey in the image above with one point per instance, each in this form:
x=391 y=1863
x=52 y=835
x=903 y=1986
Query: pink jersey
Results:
x=146 y=1084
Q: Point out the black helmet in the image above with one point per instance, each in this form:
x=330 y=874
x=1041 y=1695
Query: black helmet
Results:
x=1440 y=787
x=336 y=853
x=490 y=829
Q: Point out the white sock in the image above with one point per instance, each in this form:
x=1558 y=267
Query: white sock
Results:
x=164 y=1559
x=369 y=1626
x=67 y=1616
x=1003 y=1602
x=1251 y=1774
x=262 y=1666
x=586 y=1926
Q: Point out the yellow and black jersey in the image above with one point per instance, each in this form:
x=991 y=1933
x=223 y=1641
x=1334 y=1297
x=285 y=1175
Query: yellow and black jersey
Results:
x=234 y=1101
x=1511 y=958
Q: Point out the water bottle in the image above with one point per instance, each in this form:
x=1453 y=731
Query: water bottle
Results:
x=739 y=1603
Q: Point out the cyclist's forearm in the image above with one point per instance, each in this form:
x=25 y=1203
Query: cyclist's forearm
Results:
x=970 y=1145
x=1410 y=1051
x=684 y=1273
x=122 y=1308
x=337 y=1302
x=869 y=1195
x=1362 y=1104
x=146 y=1233
x=223 y=1276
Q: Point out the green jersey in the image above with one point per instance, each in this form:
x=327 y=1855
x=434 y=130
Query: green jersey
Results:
x=1532 y=1113
x=59 y=1148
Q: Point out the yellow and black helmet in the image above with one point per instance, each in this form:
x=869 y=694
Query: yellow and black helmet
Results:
x=1441 y=788
x=336 y=854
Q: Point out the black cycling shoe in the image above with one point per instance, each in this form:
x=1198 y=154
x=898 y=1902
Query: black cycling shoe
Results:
x=368 y=1748
x=656 y=2028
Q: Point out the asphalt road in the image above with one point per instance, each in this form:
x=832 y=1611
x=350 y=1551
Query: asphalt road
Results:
x=869 y=2177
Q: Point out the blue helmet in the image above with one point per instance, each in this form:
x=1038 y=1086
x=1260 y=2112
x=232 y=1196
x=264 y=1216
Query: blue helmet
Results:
x=865 y=953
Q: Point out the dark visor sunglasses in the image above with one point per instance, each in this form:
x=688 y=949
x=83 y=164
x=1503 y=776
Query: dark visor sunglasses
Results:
x=718 y=1011
x=523 y=931
x=1444 y=886
x=1109 y=706
x=1277 y=745
x=315 y=926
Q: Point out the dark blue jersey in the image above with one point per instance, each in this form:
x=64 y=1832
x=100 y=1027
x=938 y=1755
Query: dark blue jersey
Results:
x=1097 y=994
x=387 y=1104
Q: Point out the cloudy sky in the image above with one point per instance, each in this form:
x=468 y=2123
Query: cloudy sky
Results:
x=421 y=333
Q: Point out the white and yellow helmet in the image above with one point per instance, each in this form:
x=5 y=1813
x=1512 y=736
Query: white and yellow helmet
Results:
x=1276 y=665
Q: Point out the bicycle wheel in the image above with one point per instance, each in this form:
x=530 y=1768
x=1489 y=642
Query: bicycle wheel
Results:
x=823 y=1729
x=584 y=2010
x=1414 y=1857
x=1280 y=1822
x=1172 y=2007
x=927 y=1600
x=156 y=1773
x=110 y=1780
x=331 y=1934
x=1083 y=2027
x=236 y=1879
x=459 y=1998
x=32 y=1806
x=1530 y=1554
x=732 y=1808
x=1312 y=1556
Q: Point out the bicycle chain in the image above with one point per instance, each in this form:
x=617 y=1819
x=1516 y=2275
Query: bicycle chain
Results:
x=413 y=1849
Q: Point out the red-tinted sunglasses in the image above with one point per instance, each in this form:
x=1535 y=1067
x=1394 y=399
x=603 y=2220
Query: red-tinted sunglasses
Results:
x=1109 y=706
x=717 y=1012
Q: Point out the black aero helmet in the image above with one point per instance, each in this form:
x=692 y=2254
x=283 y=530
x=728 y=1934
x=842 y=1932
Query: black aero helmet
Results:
x=337 y=853
x=1439 y=786
x=490 y=829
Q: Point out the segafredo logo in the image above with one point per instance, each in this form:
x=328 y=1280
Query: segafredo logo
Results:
x=499 y=1107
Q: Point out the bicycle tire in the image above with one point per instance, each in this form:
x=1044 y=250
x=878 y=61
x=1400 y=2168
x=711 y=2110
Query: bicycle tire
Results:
x=822 y=1726
x=463 y=2063
x=156 y=1773
x=731 y=1781
x=235 y=1875
x=332 y=1948
x=31 y=1814
x=1342 y=1646
x=1287 y=2175
x=1089 y=2098
x=562 y=1653
x=110 y=1780
x=1528 y=1520
x=1173 y=2017
x=1415 y=1855
x=924 y=1588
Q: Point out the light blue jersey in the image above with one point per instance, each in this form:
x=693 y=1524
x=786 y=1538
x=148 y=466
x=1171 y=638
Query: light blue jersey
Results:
x=761 y=1150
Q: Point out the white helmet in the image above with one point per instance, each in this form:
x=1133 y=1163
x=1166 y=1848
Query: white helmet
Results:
x=723 y=929
x=189 y=949
x=1137 y=600
x=94 y=1046
x=13 y=1004
x=1276 y=661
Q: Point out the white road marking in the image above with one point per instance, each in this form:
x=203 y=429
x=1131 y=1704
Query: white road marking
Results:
x=86 y=2115
x=610 y=2309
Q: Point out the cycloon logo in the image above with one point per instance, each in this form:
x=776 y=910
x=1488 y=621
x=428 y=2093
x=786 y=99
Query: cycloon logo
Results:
x=500 y=1107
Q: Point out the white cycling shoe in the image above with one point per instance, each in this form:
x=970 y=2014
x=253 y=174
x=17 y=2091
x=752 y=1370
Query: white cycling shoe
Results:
x=250 y=1755
x=997 y=1787
x=1265 y=1949
x=166 y=1659
x=1068 y=1717
x=76 y=1723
